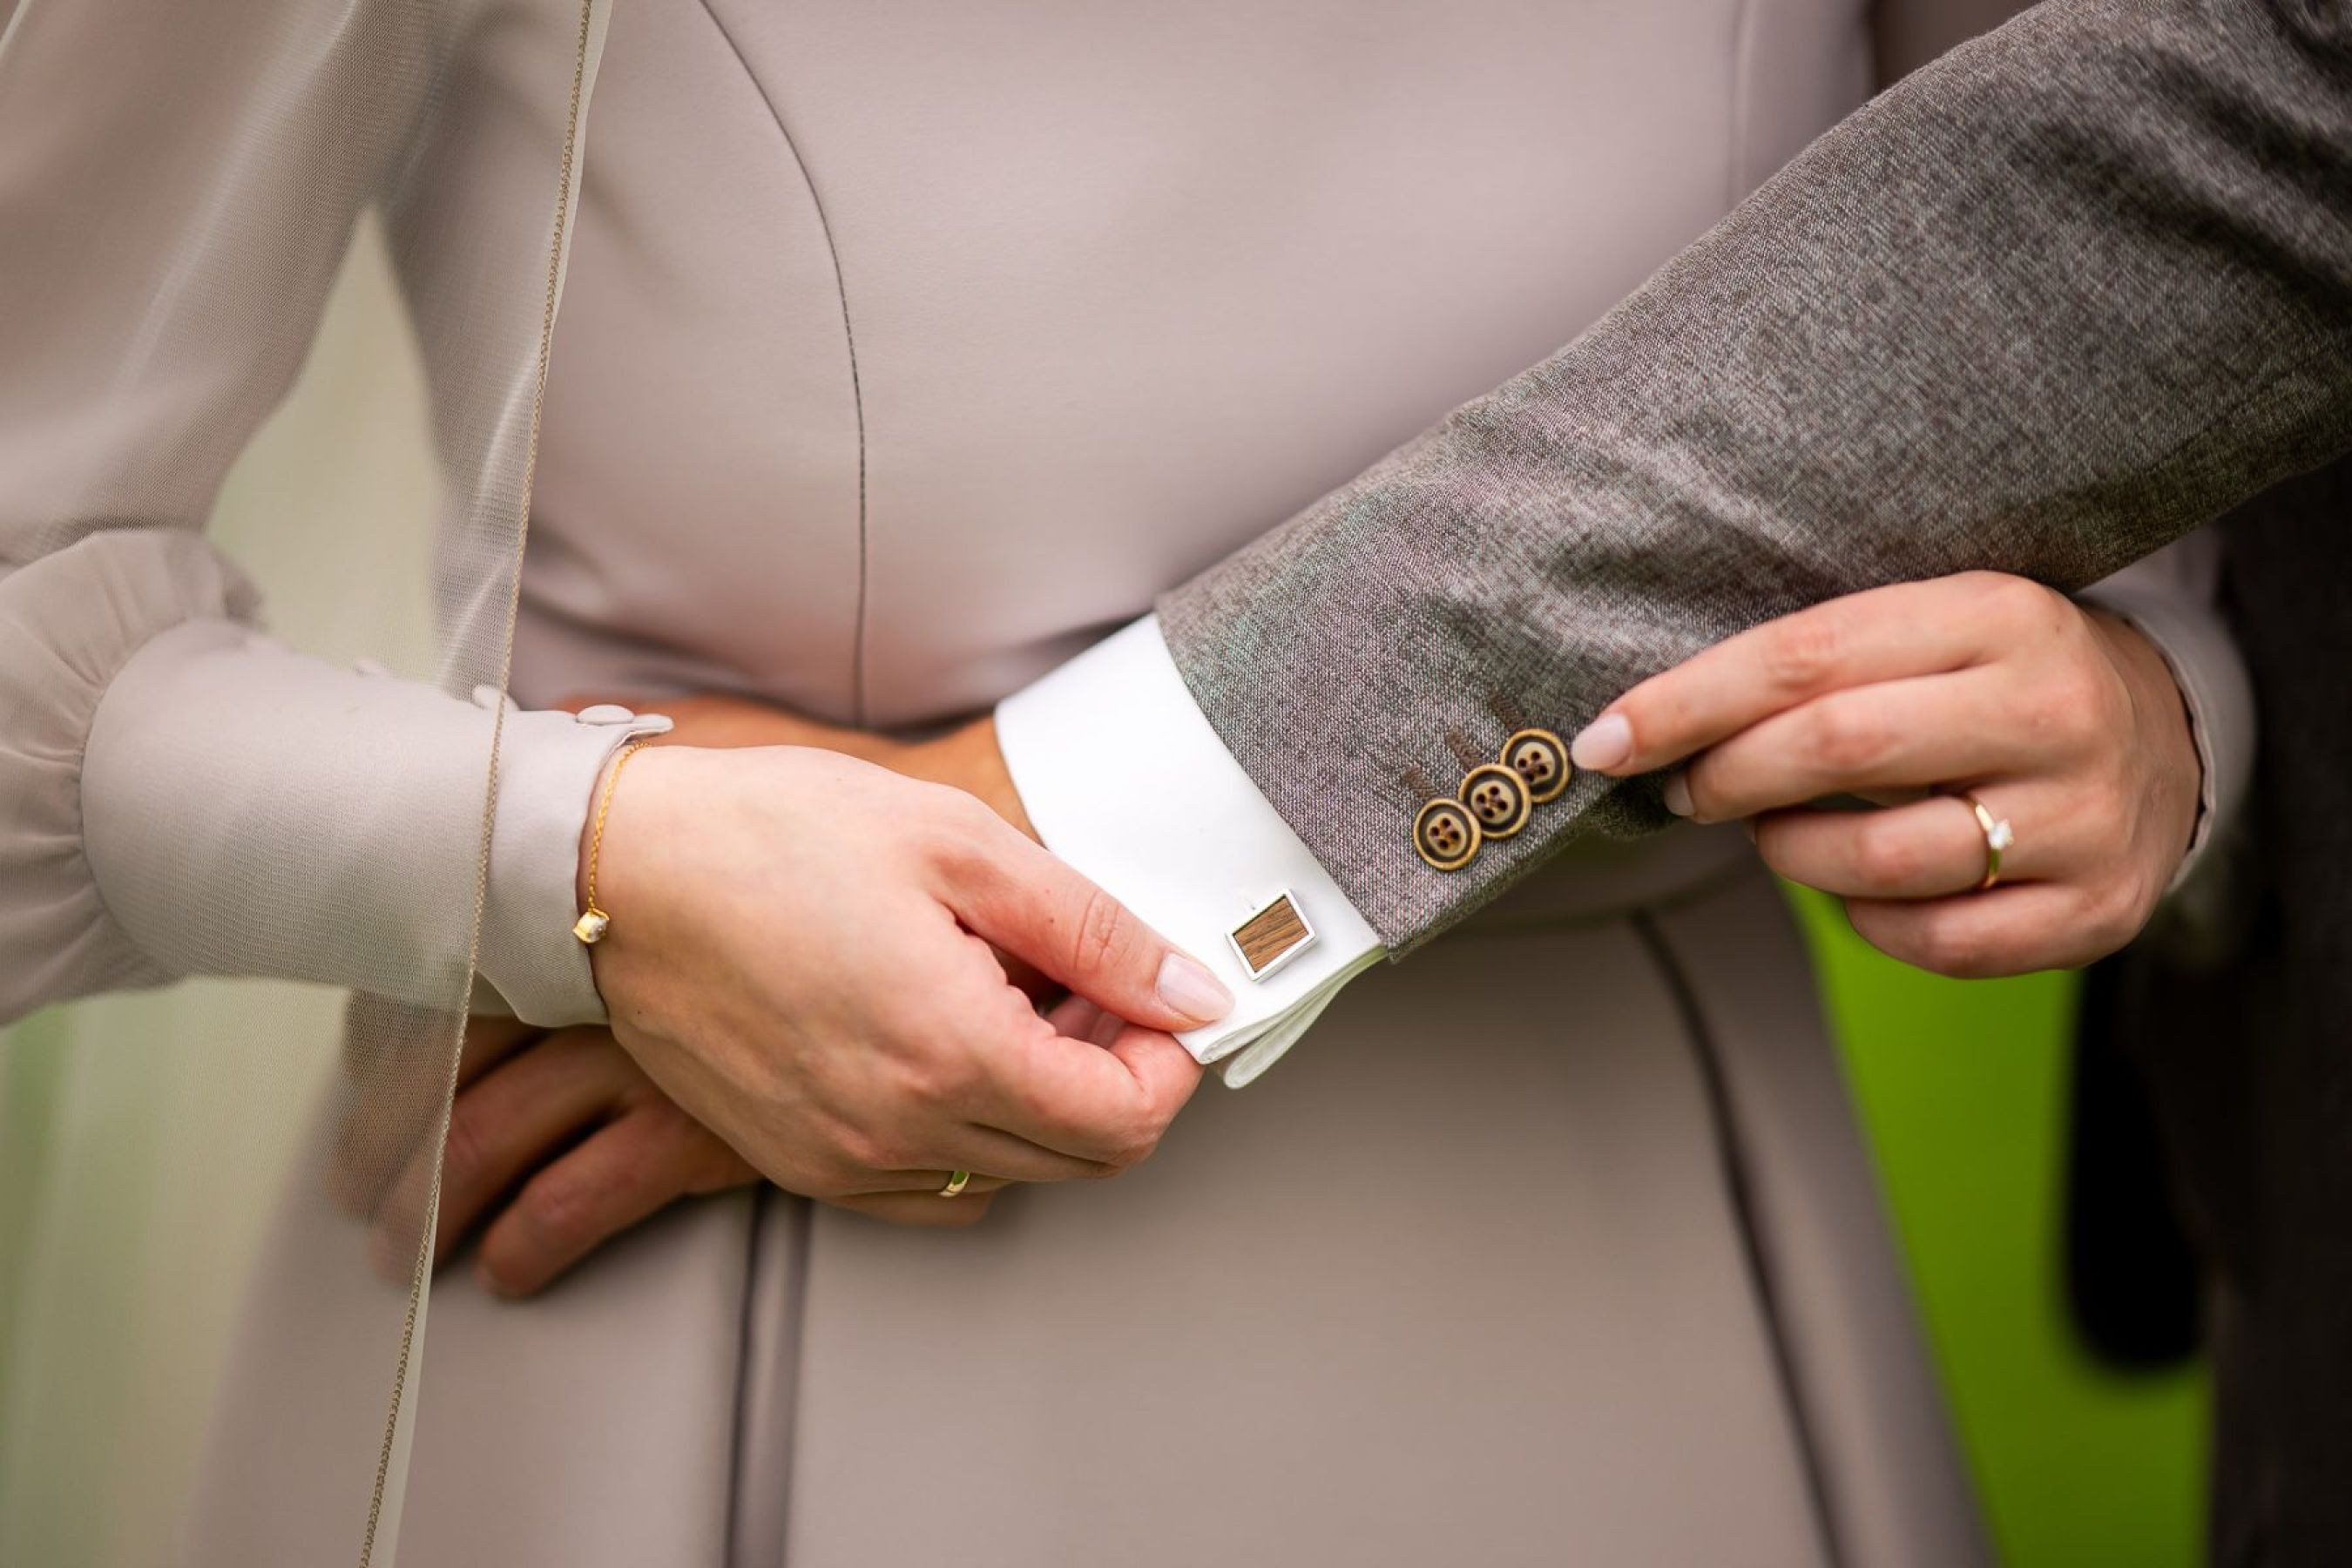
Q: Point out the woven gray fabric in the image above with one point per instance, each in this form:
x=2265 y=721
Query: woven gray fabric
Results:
x=2048 y=304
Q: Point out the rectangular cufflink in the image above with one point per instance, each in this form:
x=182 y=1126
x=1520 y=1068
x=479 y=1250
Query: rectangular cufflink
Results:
x=1273 y=936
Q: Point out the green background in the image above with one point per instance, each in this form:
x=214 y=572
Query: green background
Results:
x=1963 y=1086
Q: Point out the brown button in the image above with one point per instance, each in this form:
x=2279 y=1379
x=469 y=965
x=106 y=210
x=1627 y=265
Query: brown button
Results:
x=1539 y=757
x=1497 y=796
x=1446 y=835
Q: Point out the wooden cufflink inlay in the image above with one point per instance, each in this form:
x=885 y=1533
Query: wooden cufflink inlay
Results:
x=1272 y=937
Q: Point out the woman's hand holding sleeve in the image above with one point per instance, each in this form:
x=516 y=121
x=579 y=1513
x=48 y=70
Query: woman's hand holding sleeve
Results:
x=2063 y=720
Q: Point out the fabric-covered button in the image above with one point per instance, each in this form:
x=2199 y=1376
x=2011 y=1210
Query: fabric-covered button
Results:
x=1540 y=758
x=605 y=713
x=486 y=696
x=1497 y=796
x=1445 y=834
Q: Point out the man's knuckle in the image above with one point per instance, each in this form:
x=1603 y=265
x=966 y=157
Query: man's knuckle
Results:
x=863 y=1149
x=560 y=1210
x=950 y=1079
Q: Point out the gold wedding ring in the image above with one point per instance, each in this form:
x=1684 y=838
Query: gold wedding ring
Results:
x=1998 y=835
x=957 y=1182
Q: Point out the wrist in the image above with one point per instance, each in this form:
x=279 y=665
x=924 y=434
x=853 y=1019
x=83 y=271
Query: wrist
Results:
x=623 y=845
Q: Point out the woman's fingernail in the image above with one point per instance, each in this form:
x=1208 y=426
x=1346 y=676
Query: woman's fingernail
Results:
x=1678 y=800
x=1189 y=988
x=1603 y=744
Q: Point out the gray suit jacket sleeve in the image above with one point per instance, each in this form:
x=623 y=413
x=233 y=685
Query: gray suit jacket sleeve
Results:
x=2043 y=306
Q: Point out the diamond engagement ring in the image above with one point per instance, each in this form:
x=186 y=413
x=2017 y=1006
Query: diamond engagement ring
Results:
x=1998 y=835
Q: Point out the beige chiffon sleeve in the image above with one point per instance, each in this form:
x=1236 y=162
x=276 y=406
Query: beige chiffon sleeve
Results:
x=178 y=793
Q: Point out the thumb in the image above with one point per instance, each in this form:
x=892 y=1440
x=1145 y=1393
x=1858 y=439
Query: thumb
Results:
x=1030 y=903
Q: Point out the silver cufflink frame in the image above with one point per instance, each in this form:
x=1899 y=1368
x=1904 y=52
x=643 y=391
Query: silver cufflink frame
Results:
x=1276 y=931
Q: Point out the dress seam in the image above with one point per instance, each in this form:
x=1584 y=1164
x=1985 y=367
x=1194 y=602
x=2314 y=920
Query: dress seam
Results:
x=849 y=341
x=1739 y=1191
x=738 y=1443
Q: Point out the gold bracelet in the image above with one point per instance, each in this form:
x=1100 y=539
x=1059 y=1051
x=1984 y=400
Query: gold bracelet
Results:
x=590 y=927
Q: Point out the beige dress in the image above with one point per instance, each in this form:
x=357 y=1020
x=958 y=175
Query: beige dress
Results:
x=906 y=350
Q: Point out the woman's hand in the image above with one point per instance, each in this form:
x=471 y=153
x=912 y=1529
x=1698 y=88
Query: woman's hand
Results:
x=799 y=956
x=2063 y=720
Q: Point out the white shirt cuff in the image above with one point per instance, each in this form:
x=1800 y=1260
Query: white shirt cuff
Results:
x=1125 y=779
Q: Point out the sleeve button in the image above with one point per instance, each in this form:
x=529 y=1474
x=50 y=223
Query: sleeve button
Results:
x=1446 y=834
x=1540 y=758
x=1497 y=796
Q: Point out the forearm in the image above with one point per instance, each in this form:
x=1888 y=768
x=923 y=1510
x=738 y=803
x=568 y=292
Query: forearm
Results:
x=2047 y=304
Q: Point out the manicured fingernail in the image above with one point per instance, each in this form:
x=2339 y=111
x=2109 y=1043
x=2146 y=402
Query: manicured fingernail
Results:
x=1603 y=744
x=1190 y=989
x=1678 y=800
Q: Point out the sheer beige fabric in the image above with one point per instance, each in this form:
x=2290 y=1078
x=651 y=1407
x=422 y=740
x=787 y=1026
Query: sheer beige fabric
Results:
x=180 y=188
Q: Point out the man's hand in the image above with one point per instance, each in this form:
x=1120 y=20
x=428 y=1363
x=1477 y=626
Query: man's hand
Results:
x=799 y=956
x=556 y=1143
x=2061 y=720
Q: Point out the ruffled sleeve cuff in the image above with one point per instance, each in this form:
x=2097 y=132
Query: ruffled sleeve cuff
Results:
x=182 y=796
x=69 y=622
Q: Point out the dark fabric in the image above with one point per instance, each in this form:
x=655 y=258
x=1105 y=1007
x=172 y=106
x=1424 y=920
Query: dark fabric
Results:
x=2132 y=1277
x=2250 y=1064
x=2053 y=299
